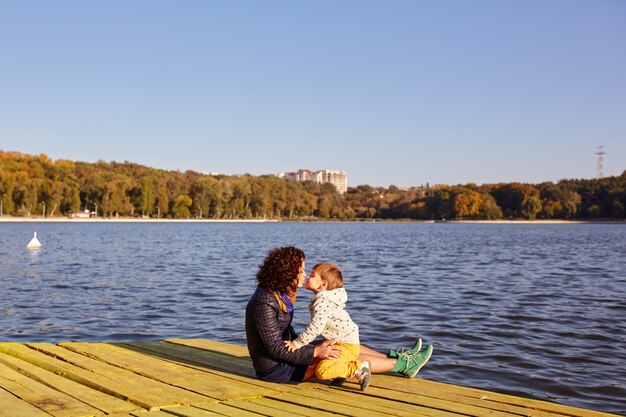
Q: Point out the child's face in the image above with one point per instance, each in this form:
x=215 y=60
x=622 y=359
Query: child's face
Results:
x=315 y=283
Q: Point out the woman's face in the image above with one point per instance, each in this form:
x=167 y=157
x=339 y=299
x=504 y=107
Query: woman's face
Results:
x=301 y=276
x=315 y=283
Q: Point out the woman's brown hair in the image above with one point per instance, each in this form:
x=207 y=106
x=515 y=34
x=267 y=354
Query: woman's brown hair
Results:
x=280 y=268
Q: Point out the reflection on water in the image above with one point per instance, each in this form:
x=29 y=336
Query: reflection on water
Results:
x=534 y=310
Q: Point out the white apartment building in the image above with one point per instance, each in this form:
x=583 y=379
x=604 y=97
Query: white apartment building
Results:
x=337 y=178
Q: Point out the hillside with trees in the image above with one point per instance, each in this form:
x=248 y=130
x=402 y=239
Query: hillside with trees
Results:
x=35 y=185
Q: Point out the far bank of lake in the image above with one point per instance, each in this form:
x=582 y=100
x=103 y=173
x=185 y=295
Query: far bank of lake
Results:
x=13 y=219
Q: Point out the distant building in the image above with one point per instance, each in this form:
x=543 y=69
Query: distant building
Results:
x=83 y=214
x=327 y=176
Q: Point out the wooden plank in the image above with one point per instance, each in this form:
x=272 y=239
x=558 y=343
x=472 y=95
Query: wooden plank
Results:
x=226 y=410
x=197 y=361
x=258 y=409
x=482 y=398
x=189 y=411
x=212 y=360
x=15 y=407
x=274 y=408
x=96 y=399
x=324 y=405
x=41 y=396
x=362 y=400
x=292 y=409
x=157 y=413
x=225 y=348
x=433 y=403
x=415 y=386
x=208 y=384
x=131 y=381
x=140 y=390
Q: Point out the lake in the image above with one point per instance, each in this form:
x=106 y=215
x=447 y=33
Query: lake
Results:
x=536 y=310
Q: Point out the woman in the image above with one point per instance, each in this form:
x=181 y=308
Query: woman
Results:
x=268 y=321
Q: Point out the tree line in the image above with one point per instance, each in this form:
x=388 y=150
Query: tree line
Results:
x=35 y=185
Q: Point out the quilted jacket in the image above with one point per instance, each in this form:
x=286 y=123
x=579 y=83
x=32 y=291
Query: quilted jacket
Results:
x=267 y=326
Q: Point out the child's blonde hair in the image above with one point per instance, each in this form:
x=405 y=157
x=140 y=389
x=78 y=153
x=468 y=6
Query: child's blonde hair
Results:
x=330 y=274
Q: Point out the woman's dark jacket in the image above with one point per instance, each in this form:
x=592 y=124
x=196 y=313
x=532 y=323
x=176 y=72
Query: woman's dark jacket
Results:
x=267 y=326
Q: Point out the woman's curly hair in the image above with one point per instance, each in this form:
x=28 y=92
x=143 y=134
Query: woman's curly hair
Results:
x=279 y=269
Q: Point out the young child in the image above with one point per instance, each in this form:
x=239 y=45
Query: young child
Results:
x=330 y=320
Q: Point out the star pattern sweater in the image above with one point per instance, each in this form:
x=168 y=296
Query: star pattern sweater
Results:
x=329 y=319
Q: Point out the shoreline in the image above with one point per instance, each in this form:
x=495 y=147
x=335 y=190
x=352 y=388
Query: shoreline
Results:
x=7 y=219
x=12 y=219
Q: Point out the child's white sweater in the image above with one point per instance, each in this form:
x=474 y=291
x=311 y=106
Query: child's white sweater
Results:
x=329 y=319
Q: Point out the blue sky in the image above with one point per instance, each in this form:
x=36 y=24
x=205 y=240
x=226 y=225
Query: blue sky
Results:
x=393 y=92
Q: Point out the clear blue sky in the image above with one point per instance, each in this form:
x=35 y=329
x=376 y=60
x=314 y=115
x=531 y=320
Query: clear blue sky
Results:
x=393 y=92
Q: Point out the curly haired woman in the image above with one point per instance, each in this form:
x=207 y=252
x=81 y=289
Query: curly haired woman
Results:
x=268 y=321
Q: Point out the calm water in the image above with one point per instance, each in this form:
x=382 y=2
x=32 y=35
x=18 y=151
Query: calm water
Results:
x=534 y=310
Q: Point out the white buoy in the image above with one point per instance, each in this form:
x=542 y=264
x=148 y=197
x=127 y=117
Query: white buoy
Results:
x=34 y=242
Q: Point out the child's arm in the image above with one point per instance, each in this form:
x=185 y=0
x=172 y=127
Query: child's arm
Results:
x=322 y=311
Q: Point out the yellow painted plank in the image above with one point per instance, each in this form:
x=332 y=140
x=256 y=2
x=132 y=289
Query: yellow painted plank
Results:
x=14 y=407
x=189 y=411
x=157 y=413
x=482 y=398
x=229 y=349
x=362 y=400
x=213 y=360
x=325 y=405
x=142 y=391
x=197 y=361
x=41 y=396
x=258 y=409
x=434 y=403
x=292 y=409
x=204 y=383
x=97 y=399
x=416 y=386
x=131 y=381
x=226 y=410
x=274 y=409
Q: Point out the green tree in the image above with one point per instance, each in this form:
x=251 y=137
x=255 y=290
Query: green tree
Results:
x=489 y=209
x=182 y=203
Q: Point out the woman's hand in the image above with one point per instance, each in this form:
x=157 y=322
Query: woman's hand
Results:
x=326 y=350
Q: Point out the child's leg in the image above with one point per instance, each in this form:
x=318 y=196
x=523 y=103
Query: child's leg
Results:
x=342 y=367
x=310 y=372
x=336 y=368
x=378 y=364
x=370 y=352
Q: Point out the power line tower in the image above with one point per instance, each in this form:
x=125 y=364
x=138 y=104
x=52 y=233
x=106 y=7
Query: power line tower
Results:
x=600 y=154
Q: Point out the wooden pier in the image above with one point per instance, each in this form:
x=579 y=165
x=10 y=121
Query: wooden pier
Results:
x=197 y=378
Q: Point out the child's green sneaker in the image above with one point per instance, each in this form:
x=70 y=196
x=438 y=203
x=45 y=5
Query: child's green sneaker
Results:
x=364 y=375
x=410 y=364
x=417 y=346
